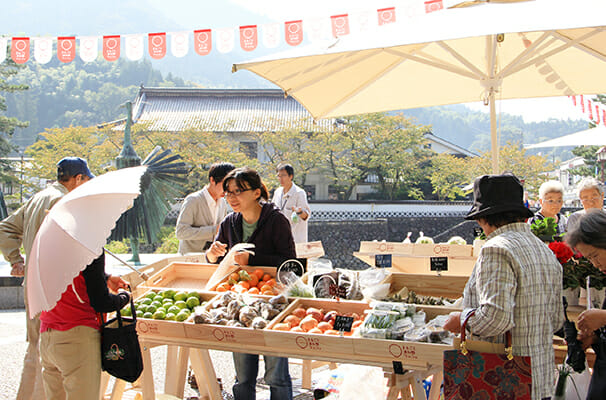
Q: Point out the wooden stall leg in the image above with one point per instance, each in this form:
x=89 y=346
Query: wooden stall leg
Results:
x=103 y=386
x=118 y=390
x=306 y=374
x=416 y=381
x=434 y=392
x=202 y=365
x=147 y=380
x=170 y=381
x=181 y=367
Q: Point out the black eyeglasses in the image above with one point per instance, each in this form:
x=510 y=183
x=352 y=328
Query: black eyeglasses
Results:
x=236 y=192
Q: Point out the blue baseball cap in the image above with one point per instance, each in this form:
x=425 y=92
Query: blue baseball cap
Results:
x=72 y=166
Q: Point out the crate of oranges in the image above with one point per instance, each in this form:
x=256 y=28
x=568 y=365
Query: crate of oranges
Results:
x=252 y=280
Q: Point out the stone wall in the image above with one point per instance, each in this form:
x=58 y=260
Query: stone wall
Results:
x=342 y=238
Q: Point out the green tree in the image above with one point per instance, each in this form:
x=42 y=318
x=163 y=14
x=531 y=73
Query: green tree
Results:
x=389 y=147
x=448 y=175
x=590 y=167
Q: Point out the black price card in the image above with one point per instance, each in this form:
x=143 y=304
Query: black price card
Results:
x=383 y=260
x=438 y=263
x=343 y=323
x=337 y=291
x=398 y=368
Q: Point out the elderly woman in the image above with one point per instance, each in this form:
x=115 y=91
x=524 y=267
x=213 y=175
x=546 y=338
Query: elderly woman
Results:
x=589 y=237
x=591 y=194
x=551 y=198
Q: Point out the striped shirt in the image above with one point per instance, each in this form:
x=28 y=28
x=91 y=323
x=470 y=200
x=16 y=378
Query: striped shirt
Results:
x=516 y=285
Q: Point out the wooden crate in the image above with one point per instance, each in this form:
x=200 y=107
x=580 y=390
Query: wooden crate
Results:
x=450 y=287
x=309 y=249
x=154 y=327
x=309 y=344
x=415 y=258
x=410 y=354
x=181 y=275
x=222 y=336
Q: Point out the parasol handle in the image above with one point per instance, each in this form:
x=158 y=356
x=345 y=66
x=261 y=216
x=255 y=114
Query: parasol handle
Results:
x=143 y=275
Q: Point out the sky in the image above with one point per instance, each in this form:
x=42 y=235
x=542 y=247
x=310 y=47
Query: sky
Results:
x=240 y=12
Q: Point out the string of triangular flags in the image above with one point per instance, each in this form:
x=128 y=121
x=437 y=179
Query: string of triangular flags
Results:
x=594 y=110
x=315 y=29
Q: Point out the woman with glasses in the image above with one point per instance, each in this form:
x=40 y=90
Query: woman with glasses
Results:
x=589 y=237
x=551 y=195
x=256 y=221
x=591 y=194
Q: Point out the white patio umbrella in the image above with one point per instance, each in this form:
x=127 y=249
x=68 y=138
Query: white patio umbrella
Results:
x=588 y=137
x=518 y=50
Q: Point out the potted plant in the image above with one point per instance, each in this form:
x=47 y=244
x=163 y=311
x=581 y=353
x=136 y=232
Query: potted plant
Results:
x=545 y=229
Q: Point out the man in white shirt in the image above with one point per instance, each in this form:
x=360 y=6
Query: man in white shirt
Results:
x=202 y=212
x=292 y=202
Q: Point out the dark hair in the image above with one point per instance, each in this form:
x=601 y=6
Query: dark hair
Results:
x=591 y=230
x=218 y=171
x=286 y=167
x=508 y=217
x=246 y=178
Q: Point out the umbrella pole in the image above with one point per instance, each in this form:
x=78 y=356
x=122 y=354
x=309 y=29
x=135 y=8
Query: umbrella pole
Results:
x=494 y=139
x=143 y=275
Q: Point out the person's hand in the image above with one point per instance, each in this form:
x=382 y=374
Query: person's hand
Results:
x=216 y=250
x=17 y=269
x=587 y=339
x=453 y=323
x=590 y=320
x=241 y=257
x=114 y=283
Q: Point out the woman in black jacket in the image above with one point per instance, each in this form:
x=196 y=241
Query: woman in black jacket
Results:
x=257 y=221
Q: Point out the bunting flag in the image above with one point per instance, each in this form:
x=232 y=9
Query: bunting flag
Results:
x=582 y=104
x=134 y=47
x=225 y=40
x=111 y=47
x=271 y=35
x=20 y=49
x=386 y=15
x=360 y=21
x=597 y=114
x=248 y=37
x=3 y=44
x=340 y=25
x=179 y=44
x=318 y=28
x=89 y=48
x=293 y=32
x=66 y=48
x=433 y=6
x=203 y=41
x=589 y=109
x=156 y=45
x=43 y=49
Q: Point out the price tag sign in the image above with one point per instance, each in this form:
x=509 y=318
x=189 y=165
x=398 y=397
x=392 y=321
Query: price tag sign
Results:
x=343 y=323
x=438 y=263
x=287 y=266
x=337 y=291
x=383 y=260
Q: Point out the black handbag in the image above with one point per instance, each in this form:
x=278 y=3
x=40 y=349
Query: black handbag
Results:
x=120 y=350
x=597 y=385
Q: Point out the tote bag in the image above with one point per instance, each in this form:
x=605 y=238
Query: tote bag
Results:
x=488 y=372
x=120 y=350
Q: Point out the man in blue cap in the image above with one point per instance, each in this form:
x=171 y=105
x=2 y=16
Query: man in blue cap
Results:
x=20 y=228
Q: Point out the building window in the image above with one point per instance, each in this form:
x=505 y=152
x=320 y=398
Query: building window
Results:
x=249 y=148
